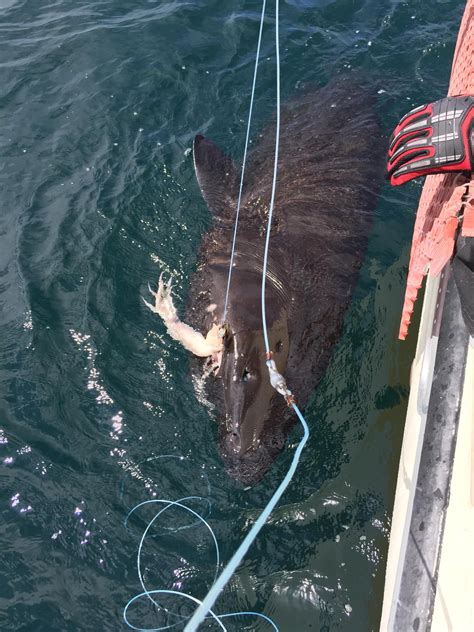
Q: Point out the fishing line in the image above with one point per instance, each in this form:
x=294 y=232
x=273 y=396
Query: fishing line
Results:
x=204 y=610
x=244 y=161
x=275 y=174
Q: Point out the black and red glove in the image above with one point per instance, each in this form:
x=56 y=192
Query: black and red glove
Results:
x=433 y=138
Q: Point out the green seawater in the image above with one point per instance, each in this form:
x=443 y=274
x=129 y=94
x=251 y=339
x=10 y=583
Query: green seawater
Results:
x=99 y=103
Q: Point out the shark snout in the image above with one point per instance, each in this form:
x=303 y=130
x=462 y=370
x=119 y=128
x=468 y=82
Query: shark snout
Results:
x=247 y=406
x=233 y=436
x=237 y=410
x=232 y=440
x=251 y=420
x=250 y=415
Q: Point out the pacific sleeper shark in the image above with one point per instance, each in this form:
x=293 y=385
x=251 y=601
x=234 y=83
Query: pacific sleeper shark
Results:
x=328 y=178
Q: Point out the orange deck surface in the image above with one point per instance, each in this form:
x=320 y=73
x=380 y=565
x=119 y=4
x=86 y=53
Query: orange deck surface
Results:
x=447 y=201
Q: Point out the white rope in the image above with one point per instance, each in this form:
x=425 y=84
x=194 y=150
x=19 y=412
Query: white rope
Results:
x=275 y=173
x=237 y=213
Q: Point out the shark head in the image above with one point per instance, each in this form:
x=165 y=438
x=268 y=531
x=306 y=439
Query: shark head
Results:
x=251 y=410
x=322 y=218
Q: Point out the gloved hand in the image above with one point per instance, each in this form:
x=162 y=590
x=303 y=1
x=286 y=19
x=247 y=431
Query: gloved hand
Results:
x=433 y=138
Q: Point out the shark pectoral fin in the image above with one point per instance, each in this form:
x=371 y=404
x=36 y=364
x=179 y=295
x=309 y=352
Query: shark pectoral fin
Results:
x=216 y=175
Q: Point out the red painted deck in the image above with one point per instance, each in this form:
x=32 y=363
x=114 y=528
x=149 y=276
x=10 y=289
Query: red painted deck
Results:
x=447 y=200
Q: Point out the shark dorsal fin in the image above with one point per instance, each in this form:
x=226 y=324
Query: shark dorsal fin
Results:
x=216 y=175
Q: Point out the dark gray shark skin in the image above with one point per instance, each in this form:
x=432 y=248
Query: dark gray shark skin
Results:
x=328 y=177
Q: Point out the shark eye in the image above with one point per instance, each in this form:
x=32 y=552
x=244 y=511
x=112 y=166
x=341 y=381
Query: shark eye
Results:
x=245 y=375
x=278 y=346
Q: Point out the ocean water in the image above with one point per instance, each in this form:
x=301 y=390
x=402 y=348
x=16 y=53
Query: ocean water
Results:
x=99 y=103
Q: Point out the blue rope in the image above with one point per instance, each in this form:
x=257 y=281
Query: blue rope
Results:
x=238 y=556
x=211 y=597
x=205 y=606
x=150 y=594
x=275 y=173
x=237 y=214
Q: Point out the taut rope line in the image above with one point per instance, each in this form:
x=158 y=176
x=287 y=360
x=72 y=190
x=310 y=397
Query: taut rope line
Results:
x=244 y=161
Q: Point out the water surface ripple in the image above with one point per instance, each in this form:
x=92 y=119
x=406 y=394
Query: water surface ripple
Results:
x=99 y=103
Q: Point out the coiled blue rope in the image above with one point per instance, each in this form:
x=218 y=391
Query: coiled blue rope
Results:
x=204 y=609
x=205 y=606
x=151 y=594
x=211 y=597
